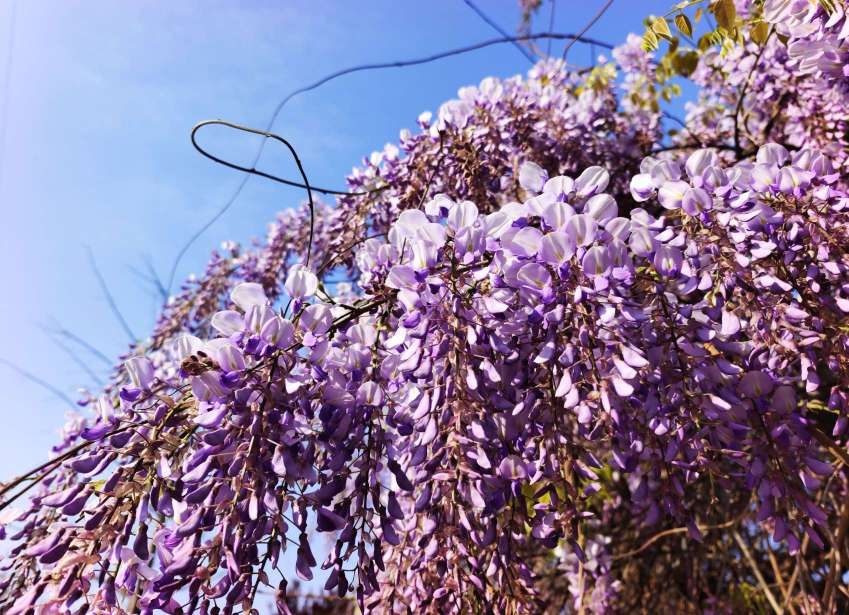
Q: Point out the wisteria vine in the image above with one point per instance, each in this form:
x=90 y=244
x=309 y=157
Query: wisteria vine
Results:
x=541 y=357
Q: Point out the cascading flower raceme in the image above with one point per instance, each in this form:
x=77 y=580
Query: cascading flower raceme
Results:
x=793 y=89
x=552 y=343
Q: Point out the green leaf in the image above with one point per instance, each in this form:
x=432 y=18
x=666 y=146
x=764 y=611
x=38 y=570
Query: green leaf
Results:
x=717 y=37
x=661 y=28
x=650 y=40
x=673 y=45
x=725 y=13
x=685 y=62
x=760 y=31
x=682 y=22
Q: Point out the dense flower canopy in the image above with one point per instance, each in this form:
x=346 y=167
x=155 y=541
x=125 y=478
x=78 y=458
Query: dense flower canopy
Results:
x=543 y=358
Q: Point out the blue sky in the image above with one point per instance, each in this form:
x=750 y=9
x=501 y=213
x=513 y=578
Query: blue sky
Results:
x=97 y=105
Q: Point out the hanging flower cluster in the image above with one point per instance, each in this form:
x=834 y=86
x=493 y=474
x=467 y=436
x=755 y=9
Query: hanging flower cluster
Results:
x=793 y=88
x=560 y=347
x=472 y=148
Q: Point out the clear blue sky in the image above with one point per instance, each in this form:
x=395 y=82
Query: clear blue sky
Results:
x=97 y=103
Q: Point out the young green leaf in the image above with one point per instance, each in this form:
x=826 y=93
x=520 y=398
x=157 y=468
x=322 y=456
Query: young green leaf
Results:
x=650 y=40
x=661 y=28
x=725 y=13
x=760 y=32
x=682 y=22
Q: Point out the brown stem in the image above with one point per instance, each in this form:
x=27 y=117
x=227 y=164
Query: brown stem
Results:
x=753 y=564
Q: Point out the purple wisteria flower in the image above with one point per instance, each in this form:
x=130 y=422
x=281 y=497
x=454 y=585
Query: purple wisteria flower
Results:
x=572 y=363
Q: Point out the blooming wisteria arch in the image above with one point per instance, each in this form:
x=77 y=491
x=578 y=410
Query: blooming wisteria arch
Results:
x=574 y=366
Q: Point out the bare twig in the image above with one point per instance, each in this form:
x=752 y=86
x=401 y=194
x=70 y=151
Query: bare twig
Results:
x=59 y=330
x=743 y=93
x=500 y=30
x=830 y=444
x=152 y=278
x=439 y=154
x=837 y=561
x=753 y=564
x=42 y=383
x=671 y=532
x=683 y=125
x=776 y=571
x=76 y=359
x=779 y=107
x=108 y=296
x=672 y=148
x=46 y=468
x=550 y=26
x=591 y=23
